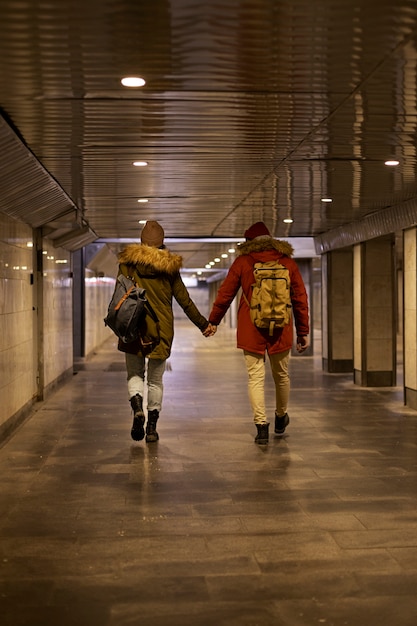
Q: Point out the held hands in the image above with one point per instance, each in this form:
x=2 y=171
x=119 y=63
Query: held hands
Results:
x=302 y=343
x=210 y=330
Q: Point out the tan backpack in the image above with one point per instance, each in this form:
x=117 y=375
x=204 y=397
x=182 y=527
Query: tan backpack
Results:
x=270 y=304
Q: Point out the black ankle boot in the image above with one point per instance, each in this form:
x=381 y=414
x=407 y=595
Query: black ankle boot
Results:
x=151 y=434
x=262 y=437
x=137 y=432
x=281 y=423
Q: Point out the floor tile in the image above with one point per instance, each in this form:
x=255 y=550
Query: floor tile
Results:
x=205 y=528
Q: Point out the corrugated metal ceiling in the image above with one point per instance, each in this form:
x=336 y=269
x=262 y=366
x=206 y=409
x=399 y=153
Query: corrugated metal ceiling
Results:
x=252 y=109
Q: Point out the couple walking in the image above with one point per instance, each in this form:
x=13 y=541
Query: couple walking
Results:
x=157 y=270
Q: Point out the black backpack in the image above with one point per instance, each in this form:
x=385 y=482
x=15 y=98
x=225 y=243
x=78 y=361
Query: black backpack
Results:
x=149 y=334
x=126 y=309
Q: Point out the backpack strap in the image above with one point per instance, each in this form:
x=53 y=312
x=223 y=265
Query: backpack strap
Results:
x=124 y=297
x=133 y=269
x=127 y=271
x=243 y=293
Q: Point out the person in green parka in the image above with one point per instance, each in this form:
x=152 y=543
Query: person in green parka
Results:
x=157 y=270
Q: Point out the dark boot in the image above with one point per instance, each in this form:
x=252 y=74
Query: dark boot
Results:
x=138 y=432
x=262 y=437
x=281 y=423
x=151 y=434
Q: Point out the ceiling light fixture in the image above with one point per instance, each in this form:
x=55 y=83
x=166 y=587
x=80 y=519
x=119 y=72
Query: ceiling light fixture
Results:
x=326 y=200
x=133 y=81
x=392 y=162
x=143 y=200
x=288 y=220
x=140 y=163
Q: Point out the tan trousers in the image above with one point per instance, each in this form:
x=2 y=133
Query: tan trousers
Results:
x=255 y=365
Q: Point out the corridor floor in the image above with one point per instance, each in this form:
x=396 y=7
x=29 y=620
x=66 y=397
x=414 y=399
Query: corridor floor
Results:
x=205 y=528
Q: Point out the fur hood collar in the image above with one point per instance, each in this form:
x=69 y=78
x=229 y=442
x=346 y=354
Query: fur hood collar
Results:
x=150 y=260
x=267 y=243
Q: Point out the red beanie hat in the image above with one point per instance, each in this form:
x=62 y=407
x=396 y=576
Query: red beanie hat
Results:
x=258 y=229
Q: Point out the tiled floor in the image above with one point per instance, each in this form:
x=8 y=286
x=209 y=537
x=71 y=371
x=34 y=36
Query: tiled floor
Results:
x=205 y=528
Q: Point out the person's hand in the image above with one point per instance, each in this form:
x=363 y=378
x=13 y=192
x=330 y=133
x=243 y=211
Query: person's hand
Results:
x=302 y=343
x=210 y=330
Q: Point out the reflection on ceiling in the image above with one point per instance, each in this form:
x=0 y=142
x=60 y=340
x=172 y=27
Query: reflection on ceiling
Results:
x=281 y=111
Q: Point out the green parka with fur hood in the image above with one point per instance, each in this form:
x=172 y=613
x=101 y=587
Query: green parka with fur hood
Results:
x=240 y=275
x=158 y=271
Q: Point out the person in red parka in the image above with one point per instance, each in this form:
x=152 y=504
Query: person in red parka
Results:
x=261 y=247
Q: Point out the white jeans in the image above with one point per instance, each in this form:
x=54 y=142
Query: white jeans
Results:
x=136 y=369
x=255 y=365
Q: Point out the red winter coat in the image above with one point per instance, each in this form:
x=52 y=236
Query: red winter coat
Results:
x=240 y=274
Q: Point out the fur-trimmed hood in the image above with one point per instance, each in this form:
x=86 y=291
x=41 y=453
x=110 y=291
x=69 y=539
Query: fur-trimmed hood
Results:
x=150 y=260
x=266 y=243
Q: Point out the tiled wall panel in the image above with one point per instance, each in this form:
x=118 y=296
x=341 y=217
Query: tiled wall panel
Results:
x=98 y=292
x=17 y=318
x=57 y=312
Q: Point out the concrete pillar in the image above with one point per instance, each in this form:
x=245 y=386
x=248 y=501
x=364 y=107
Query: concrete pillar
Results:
x=410 y=317
x=337 y=311
x=78 y=302
x=305 y=267
x=374 y=349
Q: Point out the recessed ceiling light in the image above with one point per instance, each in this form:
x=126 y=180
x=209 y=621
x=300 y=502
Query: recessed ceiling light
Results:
x=217 y=260
x=288 y=220
x=392 y=162
x=143 y=200
x=224 y=255
x=231 y=250
x=142 y=221
x=140 y=163
x=132 y=81
x=326 y=200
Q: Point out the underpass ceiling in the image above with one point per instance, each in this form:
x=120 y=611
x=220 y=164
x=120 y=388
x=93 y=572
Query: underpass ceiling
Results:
x=252 y=110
